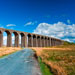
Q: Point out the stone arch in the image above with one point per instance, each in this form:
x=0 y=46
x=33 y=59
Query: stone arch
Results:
x=30 y=44
x=34 y=41
x=9 y=44
x=16 y=44
x=38 y=41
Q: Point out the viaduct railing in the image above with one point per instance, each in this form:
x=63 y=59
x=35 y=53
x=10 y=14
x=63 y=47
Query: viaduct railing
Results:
x=28 y=39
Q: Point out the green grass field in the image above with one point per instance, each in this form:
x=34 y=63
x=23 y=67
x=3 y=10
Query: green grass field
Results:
x=44 y=68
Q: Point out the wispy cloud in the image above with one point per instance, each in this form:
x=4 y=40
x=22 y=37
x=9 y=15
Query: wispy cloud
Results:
x=58 y=30
x=30 y=23
x=10 y=25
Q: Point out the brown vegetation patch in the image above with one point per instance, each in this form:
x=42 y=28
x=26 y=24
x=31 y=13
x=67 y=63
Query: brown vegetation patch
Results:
x=8 y=50
x=61 y=59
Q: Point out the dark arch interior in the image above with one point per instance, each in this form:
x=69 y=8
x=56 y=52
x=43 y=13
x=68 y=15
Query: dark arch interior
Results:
x=34 y=36
x=48 y=38
x=0 y=32
x=22 y=34
x=38 y=37
x=7 y=32
x=42 y=37
x=45 y=38
x=29 y=35
x=15 y=33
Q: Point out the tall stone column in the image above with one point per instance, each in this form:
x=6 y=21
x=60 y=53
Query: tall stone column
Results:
x=9 y=40
x=54 y=42
x=46 y=42
x=1 y=39
x=17 y=40
x=26 y=41
x=38 y=42
x=30 y=41
x=34 y=41
x=50 y=42
x=22 y=40
x=43 y=42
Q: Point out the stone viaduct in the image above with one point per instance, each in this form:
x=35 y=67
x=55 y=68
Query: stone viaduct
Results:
x=28 y=39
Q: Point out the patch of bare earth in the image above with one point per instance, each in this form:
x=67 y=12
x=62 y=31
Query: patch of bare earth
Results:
x=8 y=50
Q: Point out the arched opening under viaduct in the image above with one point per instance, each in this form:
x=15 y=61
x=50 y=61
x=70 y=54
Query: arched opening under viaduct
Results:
x=7 y=38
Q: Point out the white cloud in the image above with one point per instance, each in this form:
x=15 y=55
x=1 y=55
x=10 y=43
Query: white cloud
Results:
x=10 y=25
x=30 y=23
x=58 y=30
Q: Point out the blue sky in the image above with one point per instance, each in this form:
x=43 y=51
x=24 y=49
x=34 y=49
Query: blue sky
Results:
x=32 y=15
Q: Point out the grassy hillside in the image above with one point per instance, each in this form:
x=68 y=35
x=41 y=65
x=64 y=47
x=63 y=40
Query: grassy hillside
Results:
x=59 y=59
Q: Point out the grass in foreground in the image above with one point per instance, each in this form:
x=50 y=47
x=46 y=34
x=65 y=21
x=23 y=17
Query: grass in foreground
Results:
x=4 y=51
x=64 y=59
x=44 y=68
x=7 y=54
